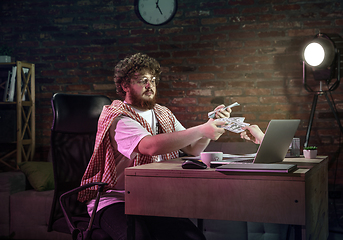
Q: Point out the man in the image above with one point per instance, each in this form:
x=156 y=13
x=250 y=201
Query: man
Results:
x=139 y=131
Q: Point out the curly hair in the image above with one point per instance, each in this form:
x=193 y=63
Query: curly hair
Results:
x=126 y=68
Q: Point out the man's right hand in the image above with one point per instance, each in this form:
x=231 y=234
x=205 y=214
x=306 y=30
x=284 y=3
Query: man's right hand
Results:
x=212 y=129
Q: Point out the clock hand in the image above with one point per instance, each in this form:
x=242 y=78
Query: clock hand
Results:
x=158 y=7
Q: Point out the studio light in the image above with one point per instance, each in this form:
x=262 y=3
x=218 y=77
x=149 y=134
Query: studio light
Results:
x=320 y=52
x=314 y=54
x=323 y=55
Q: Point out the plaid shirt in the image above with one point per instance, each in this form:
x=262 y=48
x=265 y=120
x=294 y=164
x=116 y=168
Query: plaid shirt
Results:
x=101 y=167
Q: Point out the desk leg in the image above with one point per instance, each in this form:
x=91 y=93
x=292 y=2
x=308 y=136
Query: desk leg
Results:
x=297 y=232
x=131 y=227
x=200 y=223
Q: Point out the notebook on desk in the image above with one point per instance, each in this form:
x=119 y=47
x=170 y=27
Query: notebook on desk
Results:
x=273 y=149
x=257 y=167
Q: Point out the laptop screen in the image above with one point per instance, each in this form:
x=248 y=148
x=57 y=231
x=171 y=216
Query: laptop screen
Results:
x=276 y=141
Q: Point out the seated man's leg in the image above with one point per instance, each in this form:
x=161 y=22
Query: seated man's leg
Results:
x=113 y=221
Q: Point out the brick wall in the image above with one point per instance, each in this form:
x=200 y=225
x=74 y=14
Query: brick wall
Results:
x=212 y=52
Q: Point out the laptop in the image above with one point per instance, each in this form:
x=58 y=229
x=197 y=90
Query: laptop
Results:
x=272 y=150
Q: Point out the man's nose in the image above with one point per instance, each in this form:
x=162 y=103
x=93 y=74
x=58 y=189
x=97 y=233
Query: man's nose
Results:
x=148 y=84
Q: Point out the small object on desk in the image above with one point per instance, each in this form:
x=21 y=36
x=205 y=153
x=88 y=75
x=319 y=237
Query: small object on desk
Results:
x=294 y=149
x=207 y=157
x=193 y=164
x=234 y=156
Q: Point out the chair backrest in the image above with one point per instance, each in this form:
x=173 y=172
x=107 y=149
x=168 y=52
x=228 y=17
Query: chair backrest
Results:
x=73 y=132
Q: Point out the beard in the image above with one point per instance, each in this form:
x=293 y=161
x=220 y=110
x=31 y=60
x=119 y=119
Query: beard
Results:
x=138 y=101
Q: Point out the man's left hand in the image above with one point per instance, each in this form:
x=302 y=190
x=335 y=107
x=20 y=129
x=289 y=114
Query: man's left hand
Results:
x=221 y=112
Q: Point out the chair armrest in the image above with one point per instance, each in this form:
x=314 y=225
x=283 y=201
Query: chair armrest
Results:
x=66 y=211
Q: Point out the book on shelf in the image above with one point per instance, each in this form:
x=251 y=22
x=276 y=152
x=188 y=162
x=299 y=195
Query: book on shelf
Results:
x=10 y=86
x=5 y=96
x=11 y=89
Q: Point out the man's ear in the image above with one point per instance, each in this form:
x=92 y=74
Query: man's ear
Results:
x=125 y=86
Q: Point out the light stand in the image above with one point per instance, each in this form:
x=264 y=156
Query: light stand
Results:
x=332 y=68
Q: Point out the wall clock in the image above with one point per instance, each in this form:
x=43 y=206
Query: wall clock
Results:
x=155 y=12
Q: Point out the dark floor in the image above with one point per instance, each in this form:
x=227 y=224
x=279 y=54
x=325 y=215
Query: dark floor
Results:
x=336 y=213
x=335 y=236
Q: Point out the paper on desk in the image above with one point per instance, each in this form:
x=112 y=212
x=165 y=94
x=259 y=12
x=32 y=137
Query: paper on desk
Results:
x=234 y=124
x=225 y=155
x=250 y=155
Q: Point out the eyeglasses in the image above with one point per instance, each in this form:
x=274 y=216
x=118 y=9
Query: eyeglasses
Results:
x=145 y=80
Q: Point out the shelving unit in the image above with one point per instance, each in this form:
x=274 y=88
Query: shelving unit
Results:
x=23 y=109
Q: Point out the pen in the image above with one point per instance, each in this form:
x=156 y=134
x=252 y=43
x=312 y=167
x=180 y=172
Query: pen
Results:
x=213 y=113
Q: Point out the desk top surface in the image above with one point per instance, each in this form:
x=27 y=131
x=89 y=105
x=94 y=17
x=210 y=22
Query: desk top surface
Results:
x=173 y=168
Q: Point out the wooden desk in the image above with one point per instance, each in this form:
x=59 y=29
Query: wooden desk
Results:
x=298 y=198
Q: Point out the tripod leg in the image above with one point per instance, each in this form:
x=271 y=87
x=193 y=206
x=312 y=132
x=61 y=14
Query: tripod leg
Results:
x=310 y=121
x=334 y=112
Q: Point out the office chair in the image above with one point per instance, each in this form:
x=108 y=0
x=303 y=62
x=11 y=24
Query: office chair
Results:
x=73 y=133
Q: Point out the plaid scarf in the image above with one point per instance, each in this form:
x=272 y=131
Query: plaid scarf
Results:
x=101 y=167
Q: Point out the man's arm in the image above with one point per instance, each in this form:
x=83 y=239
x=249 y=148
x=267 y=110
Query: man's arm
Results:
x=197 y=147
x=192 y=140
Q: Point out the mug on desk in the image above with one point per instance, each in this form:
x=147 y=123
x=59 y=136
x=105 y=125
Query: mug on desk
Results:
x=208 y=157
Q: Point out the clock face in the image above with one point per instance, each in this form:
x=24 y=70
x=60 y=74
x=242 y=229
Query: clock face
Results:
x=156 y=12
